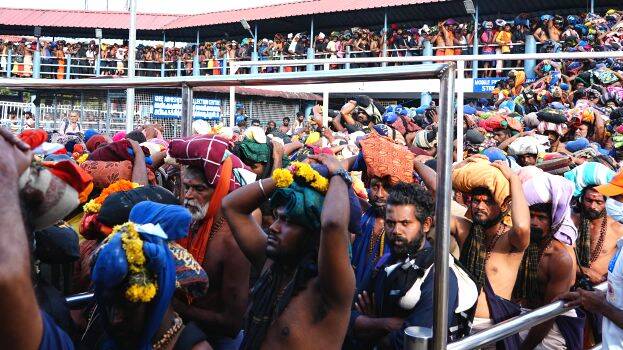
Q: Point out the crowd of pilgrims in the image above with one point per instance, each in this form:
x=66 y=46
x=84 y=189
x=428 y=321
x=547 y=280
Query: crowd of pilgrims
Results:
x=303 y=236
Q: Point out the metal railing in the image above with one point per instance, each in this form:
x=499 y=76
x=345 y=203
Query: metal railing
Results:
x=514 y=325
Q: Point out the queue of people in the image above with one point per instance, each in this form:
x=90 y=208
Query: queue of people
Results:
x=553 y=33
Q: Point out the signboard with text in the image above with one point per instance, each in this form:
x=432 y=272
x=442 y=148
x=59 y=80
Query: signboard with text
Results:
x=171 y=107
x=488 y=84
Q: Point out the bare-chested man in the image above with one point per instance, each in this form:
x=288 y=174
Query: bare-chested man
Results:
x=220 y=312
x=491 y=250
x=302 y=299
x=597 y=235
x=548 y=267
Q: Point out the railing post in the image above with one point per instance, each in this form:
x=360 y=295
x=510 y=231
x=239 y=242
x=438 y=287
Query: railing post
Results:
x=36 y=63
x=459 y=88
x=162 y=67
x=281 y=66
x=68 y=70
x=179 y=67
x=98 y=65
x=310 y=56
x=196 y=66
x=528 y=65
x=254 y=69
x=428 y=50
x=9 y=63
x=224 y=68
x=475 y=43
x=347 y=65
x=418 y=338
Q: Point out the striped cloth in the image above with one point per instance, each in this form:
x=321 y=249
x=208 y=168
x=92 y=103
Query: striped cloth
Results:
x=589 y=174
x=547 y=188
x=209 y=152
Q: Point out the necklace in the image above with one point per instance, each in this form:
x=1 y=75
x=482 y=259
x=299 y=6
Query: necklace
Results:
x=494 y=240
x=600 y=241
x=169 y=334
x=216 y=227
x=380 y=238
x=542 y=251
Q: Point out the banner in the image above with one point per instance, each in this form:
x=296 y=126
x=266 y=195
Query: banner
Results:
x=488 y=84
x=171 y=107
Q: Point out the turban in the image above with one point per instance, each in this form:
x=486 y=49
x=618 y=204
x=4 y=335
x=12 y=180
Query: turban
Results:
x=577 y=145
x=589 y=174
x=116 y=207
x=210 y=153
x=303 y=204
x=474 y=137
x=201 y=127
x=253 y=152
x=494 y=153
x=118 y=136
x=95 y=142
x=381 y=157
x=34 y=137
x=531 y=120
x=117 y=151
x=527 y=145
x=556 y=190
x=174 y=220
x=312 y=138
x=88 y=134
x=56 y=245
x=256 y=134
x=390 y=132
x=560 y=129
x=425 y=139
x=481 y=174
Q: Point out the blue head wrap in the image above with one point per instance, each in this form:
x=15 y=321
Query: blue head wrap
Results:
x=111 y=265
x=88 y=134
x=389 y=117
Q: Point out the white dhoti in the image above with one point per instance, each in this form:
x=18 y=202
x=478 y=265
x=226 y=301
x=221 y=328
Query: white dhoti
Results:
x=554 y=339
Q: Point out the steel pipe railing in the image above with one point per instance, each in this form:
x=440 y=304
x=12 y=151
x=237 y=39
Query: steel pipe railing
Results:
x=76 y=301
x=514 y=325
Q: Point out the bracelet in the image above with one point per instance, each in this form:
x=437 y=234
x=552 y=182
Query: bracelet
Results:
x=262 y=189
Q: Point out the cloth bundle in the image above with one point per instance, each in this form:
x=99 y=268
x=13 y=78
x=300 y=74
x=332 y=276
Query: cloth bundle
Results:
x=116 y=152
x=209 y=152
x=560 y=129
x=105 y=173
x=547 y=188
x=528 y=145
x=589 y=174
x=384 y=158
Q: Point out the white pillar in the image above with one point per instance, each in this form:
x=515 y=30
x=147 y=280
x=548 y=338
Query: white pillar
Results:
x=232 y=106
x=129 y=107
x=460 y=65
x=325 y=108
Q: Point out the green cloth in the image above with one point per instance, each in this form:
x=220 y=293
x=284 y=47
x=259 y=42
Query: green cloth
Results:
x=254 y=152
x=303 y=205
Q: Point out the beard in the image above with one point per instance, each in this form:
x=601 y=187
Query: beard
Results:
x=486 y=223
x=197 y=211
x=536 y=235
x=378 y=209
x=591 y=214
x=406 y=249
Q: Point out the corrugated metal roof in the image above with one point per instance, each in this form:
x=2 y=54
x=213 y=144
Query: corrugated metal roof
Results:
x=82 y=19
x=261 y=92
x=302 y=8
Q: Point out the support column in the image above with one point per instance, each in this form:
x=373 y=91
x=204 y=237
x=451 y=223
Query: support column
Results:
x=179 y=66
x=129 y=102
x=311 y=49
x=108 y=116
x=196 y=67
x=384 y=64
x=460 y=71
x=347 y=64
x=68 y=68
x=442 y=210
x=232 y=106
x=325 y=108
x=36 y=62
x=81 y=106
x=528 y=65
x=164 y=43
x=254 y=56
x=9 y=63
x=187 y=110
x=98 y=60
x=592 y=6
x=476 y=41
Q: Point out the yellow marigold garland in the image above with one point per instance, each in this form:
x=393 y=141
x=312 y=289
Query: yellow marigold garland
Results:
x=141 y=287
x=81 y=159
x=303 y=172
x=94 y=205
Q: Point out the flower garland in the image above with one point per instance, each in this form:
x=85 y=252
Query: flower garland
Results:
x=94 y=205
x=302 y=172
x=141 y=286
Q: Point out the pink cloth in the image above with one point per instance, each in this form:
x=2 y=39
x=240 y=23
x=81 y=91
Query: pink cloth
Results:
x=548 y=188
x=119 y=136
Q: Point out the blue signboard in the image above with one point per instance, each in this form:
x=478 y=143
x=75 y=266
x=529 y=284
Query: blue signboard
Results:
x=171 y=107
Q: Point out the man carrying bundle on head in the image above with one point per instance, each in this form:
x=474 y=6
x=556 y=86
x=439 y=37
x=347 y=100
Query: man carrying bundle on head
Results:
x=212 y=173
x=302 y=299
x=492 y=246
x=548 y=267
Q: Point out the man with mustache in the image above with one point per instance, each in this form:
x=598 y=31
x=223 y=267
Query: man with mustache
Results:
x=401 y=292
x=597 y=235
x=548 y=267
x=492 y=246
x=375 y=162
x=210 y=240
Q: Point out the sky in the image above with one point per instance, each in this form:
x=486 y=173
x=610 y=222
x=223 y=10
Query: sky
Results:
x=147 y=6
